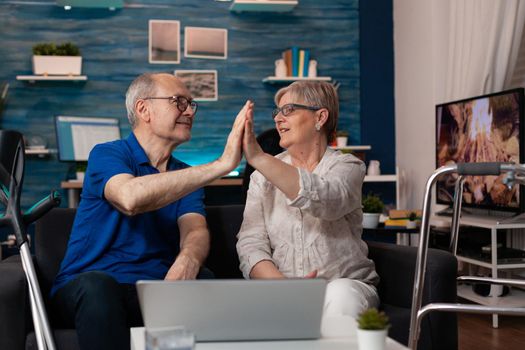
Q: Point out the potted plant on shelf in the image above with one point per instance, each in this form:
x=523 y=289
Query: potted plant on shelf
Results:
x=412 y=217
x=372 y=328
x=341 y=137
x=372 y=209
x=52 y=59
x=81 y=170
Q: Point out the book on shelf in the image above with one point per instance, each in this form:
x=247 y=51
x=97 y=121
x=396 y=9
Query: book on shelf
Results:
x=404 y=213
x=295 y=61
x=287 y=56
x=300 y=69
x=306 y=62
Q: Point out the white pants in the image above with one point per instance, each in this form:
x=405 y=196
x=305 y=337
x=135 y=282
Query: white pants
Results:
x=345 y=299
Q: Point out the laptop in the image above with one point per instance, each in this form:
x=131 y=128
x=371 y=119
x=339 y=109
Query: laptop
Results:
x=230 y=310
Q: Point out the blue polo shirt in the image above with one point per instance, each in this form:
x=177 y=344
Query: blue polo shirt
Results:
x=128 y=248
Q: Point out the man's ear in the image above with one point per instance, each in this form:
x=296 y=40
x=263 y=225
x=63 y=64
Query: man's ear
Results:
x=142 y=110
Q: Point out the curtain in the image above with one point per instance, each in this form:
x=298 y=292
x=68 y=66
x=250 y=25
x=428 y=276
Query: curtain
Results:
x=476 y=46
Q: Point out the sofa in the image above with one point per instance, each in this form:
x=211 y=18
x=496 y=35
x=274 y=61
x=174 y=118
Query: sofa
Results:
x=395 y=265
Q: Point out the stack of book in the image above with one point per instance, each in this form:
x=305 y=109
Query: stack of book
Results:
x=297 y=61
x=401 y=218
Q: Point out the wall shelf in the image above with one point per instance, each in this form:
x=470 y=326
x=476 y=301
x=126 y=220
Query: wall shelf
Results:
x=33 y=78
x=263 y=5
x=381 y=178
x=353 y=148
x=40 y=152
x=276 y=80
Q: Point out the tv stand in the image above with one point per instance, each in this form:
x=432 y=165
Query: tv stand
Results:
x=494 y=223
x=450 y=212
x=516 y=219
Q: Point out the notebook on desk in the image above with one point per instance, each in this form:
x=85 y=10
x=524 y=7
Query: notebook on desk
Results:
x=226 y=310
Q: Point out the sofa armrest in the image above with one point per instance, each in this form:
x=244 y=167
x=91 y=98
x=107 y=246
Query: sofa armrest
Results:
x=14 y=308
x=396 y=266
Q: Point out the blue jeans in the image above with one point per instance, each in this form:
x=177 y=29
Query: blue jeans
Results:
x=100 y=309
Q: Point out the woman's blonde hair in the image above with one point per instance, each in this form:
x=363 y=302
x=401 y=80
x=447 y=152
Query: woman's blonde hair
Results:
x=318 y=94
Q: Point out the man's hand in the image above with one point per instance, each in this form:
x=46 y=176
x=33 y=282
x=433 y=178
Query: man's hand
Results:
x=252 y=149
x=184 y=268
x=232 y=154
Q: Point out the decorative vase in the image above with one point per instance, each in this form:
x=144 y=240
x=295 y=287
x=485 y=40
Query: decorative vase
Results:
x=371 y=339
x=370 y=220
x=312 y=69
x=373 y=168
x=341 y=141
x=280 y=68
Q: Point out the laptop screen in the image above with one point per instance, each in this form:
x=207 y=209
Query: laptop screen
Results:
x=76 y=136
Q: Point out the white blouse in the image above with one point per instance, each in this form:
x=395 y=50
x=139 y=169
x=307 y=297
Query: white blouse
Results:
x=319 y=230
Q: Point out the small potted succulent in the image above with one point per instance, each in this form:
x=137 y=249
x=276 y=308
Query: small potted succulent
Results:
x=341 y=137
x=372 y=209
x=372 y=329
x=52 y=59
x=80 y=170
x=412 y=217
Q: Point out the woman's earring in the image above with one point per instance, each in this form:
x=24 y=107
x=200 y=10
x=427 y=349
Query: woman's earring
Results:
x=318 y=126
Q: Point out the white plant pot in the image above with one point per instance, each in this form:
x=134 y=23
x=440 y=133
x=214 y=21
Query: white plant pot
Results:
x=57 y=65
x=341 y=141
x=370 y=220
x=80 y=176
x=371 y=339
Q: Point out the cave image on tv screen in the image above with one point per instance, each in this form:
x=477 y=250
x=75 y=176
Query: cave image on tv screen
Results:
x=480 y=129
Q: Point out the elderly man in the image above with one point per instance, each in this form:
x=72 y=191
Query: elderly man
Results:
x=141 y=215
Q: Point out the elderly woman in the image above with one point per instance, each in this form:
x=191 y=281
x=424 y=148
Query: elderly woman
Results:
x=303 y=211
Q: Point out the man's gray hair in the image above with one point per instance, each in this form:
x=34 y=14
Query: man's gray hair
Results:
x=318 y=94
x=143 y=86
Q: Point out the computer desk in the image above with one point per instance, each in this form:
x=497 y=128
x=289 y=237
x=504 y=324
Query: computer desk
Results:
x=339 y=343
x=74 y=187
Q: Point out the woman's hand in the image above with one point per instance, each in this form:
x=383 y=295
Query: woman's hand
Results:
x=232 y=154
x=250 y=146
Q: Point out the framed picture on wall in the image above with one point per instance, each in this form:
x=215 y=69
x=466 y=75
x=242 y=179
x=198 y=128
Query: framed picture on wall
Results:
x=201 y=83
x=164 y=41
x=200 y=42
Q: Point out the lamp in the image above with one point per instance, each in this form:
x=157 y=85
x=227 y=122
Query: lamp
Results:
x=111 y=4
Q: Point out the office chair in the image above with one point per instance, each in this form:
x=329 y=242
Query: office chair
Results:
x=515 y=174
x=11 y=178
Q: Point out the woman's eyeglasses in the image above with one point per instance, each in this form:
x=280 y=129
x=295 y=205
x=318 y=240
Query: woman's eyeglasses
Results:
x=290 y=107
x=181 y=102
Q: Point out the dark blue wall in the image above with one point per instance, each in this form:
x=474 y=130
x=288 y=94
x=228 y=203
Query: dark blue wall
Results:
x=377 y=81
x=377 y=88
x=114 y=48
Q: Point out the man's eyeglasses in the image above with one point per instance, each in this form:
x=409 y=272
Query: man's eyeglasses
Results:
x=180 y=101
x=290 y=107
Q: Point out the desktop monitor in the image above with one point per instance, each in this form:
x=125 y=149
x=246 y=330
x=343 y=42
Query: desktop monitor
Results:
x=486 y=128
x=76 y=136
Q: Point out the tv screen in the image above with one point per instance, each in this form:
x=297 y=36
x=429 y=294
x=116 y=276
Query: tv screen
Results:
x=76 y=136
x=486 y=128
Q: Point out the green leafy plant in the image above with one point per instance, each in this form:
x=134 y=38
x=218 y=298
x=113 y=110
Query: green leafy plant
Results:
x=51 y=49
x=372 y=319
x=372 y=204
x=81 y=167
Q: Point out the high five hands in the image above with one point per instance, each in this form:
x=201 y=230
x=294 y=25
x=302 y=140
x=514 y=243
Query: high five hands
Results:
x=252 y=150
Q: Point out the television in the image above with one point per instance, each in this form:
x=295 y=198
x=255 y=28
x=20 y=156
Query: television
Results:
x=486 y=128
x=76 y=136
